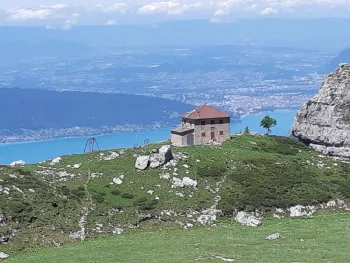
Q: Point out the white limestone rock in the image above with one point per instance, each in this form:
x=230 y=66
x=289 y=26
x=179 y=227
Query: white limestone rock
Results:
x=3 y=255
x=117 y=231
x=247 y=219
x=142 y=162
x=177 y=182
x=273 y=236
x=117 y=180
x=208 y=217
x=324 y=121
x=2 y=219
x=154 y=161
x=56 y=160
x=76 y=166
x=299 y=211
x=189 y=182
x=165 y=154
x=18 y=163
x=185 y=182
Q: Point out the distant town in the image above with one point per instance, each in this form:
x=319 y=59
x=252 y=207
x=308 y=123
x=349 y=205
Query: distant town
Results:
x=239 y=80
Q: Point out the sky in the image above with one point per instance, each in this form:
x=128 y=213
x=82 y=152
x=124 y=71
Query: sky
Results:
x=66 y=14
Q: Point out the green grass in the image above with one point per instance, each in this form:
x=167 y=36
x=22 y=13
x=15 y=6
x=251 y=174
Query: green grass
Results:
x=261 y=172
x=323 y=238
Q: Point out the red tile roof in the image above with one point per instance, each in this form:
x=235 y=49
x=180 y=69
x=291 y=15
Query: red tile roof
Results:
x=205 y=112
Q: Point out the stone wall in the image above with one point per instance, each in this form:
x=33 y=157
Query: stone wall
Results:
x=208 y=128
x=211 y=125
x=178 y=140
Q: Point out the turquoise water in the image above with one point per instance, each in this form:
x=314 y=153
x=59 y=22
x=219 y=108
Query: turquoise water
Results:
x=33 y=152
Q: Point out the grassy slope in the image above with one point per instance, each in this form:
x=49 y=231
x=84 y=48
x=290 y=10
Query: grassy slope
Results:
x=318 y=239
x=261 y=172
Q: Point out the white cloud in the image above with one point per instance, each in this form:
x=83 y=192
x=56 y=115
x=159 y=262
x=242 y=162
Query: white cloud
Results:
x=268 y=11
x=28 y=14
x=134 y=11
x=59 y=6
x=121 y=7
x=160 y=7
x=111 y=22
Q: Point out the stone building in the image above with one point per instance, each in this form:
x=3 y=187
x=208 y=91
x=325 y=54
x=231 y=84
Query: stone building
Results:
x=203 y=125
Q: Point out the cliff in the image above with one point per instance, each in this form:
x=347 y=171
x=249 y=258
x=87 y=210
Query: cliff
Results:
x=324 y=121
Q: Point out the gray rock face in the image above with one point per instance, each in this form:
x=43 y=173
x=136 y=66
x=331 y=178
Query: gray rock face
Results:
x=324 y=121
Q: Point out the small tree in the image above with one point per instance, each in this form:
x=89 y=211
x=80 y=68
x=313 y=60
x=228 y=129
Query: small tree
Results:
x=246 y=130
x=268 y=123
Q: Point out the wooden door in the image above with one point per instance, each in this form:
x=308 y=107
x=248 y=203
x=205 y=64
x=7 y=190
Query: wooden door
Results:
x=212 y=135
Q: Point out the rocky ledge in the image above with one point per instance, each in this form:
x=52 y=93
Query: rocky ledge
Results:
x=324 y=121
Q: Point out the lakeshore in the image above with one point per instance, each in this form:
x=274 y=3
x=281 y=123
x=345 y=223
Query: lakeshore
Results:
x=34 y=152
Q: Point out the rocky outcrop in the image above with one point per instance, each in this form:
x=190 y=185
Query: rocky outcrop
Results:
x=324 y=121
x=156 y=159
x=248 y=219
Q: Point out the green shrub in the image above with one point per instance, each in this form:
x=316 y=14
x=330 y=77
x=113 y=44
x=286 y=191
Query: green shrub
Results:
x=140 y=201
x=118 y=207
x=115 y=192
x=98 y=198
x=212 y=170
x=79 y=192
x=144 y=204
x=65 y=190
x=23 y=172
x=127 y=196
x=146 y=207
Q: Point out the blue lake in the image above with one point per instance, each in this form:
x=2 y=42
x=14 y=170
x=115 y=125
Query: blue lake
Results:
x=33 y=152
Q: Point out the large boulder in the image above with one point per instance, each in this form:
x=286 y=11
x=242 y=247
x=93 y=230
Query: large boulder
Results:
x=324 y=121
x=142 y=162
x=247 y=219
x=165 y=154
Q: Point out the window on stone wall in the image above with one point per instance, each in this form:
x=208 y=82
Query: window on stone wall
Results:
x=221 y=121
x=202 y=122
x=221 y=132
x=203 y=134
x=212 y=122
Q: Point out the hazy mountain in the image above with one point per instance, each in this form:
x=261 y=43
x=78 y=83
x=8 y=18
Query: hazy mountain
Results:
x=277 y=32
x=15 y=50
x=42 y=109
x=342 y=57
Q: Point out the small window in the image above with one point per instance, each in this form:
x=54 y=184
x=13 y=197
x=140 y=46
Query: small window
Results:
x=212 y=122
x=202 y=122
x=203 y=134
x=221 y=121
x=221 y=132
